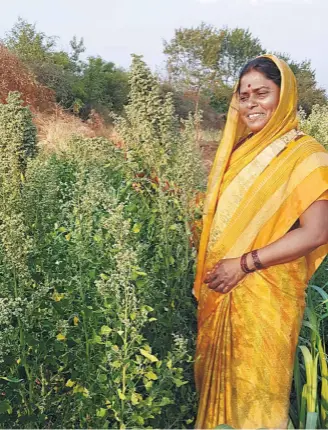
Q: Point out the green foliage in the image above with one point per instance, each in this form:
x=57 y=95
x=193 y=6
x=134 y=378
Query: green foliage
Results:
x=78 y=48
x=193 y=55
x=29 y=44
x=55 y=77
x=309 y=407
x=17 y=135
x=316 y=124
x=52 y=68
x=79 y=86
x=207 y=60
x=307 y=390
x=238 y=47
x=184 y=106
x=308 y=91
x=102 y=86
x=220 y=98
x=309 y=94
x=97 y=320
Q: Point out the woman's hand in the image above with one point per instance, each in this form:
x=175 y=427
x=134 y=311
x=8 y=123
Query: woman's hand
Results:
x=225 y=275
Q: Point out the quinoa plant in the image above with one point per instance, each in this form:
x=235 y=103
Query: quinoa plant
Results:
x=97 y=318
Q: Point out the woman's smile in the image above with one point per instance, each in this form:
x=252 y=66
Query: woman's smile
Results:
x=254 y=116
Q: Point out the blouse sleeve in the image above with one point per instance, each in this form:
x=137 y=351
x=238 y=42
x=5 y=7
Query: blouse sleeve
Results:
x=323 y=196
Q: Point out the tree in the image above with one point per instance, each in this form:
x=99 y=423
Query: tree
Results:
x=184 y=106
x=77 y=48
x=193 y=56
x=54 y=69
x=207 y=60
x=27 y=43
x=237 y=48
x=220 y=97
x=57 y=78
x=102 y=86
x=309 y=93
x=79 y=86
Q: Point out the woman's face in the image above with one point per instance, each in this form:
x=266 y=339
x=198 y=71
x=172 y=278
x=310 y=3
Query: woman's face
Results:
x=258 y=99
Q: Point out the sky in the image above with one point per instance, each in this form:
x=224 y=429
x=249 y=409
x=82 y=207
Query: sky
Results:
x=114 y=29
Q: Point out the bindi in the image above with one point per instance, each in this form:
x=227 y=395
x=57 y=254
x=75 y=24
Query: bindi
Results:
x=249 y=85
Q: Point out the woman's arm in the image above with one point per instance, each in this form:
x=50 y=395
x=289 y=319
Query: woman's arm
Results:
x=312 y=233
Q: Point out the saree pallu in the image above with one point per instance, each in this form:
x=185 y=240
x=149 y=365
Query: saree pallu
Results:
x=247 y=338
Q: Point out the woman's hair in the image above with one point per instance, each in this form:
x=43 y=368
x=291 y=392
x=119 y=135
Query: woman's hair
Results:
x=264 y=65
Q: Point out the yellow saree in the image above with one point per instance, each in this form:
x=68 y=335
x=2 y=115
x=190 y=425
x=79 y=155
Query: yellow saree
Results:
x=247 y=338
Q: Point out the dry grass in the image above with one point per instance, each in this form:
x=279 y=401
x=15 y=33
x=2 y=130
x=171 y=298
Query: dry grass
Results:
x=55 y=127
x=56 y=130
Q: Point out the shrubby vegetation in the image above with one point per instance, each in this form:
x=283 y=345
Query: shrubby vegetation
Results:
x=79 y=86
x=97 y=318
x=316 y=124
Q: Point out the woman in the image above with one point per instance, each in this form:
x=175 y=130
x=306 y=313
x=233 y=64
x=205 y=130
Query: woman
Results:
x=267 y=193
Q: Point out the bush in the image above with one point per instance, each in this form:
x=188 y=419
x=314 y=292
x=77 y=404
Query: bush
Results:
x=14 y=76
x=316 y=124
x=97 y=319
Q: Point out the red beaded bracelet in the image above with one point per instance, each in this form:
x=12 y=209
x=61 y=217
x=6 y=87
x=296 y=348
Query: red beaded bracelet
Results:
x=256 y=259
x=244 y=266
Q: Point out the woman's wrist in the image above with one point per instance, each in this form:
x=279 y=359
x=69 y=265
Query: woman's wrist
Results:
x=245 y=265
x=250 y=262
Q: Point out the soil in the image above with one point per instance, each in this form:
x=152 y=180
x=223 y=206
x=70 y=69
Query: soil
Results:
x=208 y=149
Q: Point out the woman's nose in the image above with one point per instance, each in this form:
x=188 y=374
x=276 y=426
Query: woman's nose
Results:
x=252 y=101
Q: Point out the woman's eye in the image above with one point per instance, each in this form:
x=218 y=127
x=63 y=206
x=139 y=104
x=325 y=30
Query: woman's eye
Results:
x=263 y=94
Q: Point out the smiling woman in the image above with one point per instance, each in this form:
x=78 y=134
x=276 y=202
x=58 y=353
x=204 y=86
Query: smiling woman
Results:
x=265 y=232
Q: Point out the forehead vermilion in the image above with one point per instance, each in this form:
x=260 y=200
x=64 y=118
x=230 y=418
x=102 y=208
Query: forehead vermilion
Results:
x=255 y=79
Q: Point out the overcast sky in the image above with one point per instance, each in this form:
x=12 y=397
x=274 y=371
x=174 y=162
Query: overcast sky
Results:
x=114 y=29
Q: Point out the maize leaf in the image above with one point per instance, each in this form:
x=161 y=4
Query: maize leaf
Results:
x=303 y=408
x=324 y=382
x=290 y=424
x=298 y=383
x=311 y=420
x=311 y=378
x=323 y=294
x=223 y=426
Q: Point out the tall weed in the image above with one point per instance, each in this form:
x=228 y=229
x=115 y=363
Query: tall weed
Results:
x=97 y=319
